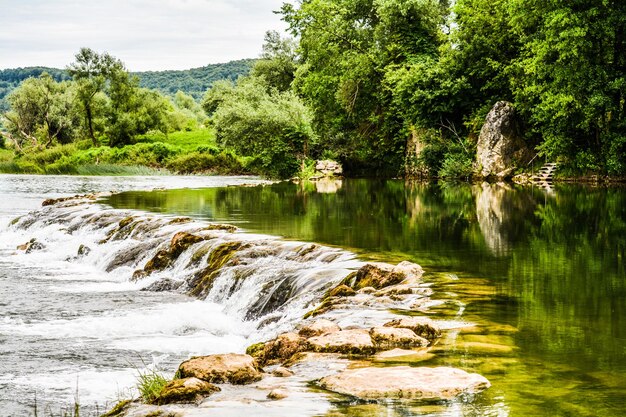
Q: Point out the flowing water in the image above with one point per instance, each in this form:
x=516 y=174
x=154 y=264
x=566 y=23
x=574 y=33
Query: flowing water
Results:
x=536 y=275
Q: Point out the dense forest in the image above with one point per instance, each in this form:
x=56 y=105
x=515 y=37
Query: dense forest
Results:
x=358 y=80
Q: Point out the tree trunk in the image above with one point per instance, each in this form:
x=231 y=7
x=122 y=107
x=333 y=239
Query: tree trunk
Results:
x=90 y=125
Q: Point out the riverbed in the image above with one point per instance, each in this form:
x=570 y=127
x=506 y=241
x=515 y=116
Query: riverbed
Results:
x=537 y=275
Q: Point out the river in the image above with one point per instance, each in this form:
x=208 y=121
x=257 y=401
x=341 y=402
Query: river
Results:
x=537 y=275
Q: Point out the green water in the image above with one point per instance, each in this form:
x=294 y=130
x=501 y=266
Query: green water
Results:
x=540 y=273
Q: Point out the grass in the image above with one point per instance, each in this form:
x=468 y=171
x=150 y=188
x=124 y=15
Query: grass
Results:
x=184 y=152
x=150 y=383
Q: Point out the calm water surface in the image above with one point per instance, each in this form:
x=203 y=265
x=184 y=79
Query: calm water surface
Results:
x=541 y=274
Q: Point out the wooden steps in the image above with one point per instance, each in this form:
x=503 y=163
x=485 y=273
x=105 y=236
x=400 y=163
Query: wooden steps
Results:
x=546 y=173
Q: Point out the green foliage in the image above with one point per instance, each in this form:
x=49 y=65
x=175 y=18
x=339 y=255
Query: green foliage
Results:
x=150 y=383
x=258 y=121
x=456 y=165
x=349 y=50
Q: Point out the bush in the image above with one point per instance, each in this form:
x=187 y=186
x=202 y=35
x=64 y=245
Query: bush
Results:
x=456 y=165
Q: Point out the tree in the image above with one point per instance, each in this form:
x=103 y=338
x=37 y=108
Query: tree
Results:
x=347 y=48
x=91 y=71
x=278 y=61
x=273 y=127
x=570 y=79
x=42 y=110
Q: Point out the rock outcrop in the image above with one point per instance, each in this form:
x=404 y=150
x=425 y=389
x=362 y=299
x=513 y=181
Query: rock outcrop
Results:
x=500 y=148
x=187 y=390
x=229 y=368
x=407 y=382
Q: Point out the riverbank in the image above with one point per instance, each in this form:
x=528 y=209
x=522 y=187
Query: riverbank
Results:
x=183 y=152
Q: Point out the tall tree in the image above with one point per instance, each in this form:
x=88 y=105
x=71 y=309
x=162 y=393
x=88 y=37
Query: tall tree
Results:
x=91 y=71
x=571 y=78
x=347 y=49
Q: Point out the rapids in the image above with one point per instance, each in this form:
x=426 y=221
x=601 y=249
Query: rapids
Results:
x=77 y=327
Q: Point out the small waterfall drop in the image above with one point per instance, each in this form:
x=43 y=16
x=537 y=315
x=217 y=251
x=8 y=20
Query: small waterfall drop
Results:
x=262 y=281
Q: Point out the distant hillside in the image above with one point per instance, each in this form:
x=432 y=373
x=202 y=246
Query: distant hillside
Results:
x=193 y=81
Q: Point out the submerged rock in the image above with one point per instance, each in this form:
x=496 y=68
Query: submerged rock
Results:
x=187 y=390
x=501 y=149
x=31 y=246
x=277 y=394
x=356 y=342
x=422 y=326
x=202 y=282
x=164 y=285
x=229 y=368
x=424 y=383
x=282 y=372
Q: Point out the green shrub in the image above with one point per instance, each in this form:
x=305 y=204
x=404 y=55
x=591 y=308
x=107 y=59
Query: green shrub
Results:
x=61 y=168
x=456 y=165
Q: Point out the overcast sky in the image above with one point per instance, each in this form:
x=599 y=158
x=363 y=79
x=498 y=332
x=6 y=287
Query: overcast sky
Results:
x=144 y=34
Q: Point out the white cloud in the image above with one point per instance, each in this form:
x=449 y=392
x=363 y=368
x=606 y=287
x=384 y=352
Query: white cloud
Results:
x=145 y=34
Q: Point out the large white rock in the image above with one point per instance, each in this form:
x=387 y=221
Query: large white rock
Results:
x=441 y=383
x=500 y=147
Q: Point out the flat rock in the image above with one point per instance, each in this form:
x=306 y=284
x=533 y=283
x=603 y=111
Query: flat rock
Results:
x=424 y=383
x=422 y=326
x=319 y=327
x=390 y=337
x=356 y=341
x=227 y=368
x=404 y=355
x=187 y=390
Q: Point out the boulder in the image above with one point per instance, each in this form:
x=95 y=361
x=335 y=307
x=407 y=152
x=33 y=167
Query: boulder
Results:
x=282 y=348
x=229 y=368
x=318 y=328
x=500 y=148
x=187 y=390
x=328 y=168
x=380 y=275
x=407 y=382
x=356 y=342
x=31 y=245
x=341 y=291
x=390 y=337
x=281 y=372
x=83 y=250
x=421 y=326
x=277 y=394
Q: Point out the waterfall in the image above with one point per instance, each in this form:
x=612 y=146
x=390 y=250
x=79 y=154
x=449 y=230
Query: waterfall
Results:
x=259 y=279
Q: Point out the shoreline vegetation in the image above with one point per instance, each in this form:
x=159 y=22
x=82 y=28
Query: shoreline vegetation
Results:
x=387 y=88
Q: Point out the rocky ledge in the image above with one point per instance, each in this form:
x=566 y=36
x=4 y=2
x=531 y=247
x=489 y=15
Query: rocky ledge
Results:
x=335 y=359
